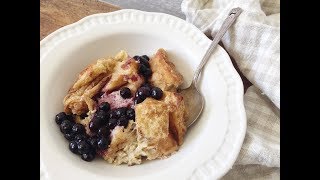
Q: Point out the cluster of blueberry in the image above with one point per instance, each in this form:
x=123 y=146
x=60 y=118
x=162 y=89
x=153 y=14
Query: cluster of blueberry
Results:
x=103 y=121
x=80 y=143
x=146 y=90
x=144 y=66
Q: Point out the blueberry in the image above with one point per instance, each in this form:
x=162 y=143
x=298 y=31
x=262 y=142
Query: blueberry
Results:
x=83 y=115
x=120 y=112
x=136 y=57
x=88 y=156
x=70 y=117
x=113 y=123
x=147 y=73
x=103 y=143
x=145 y=57
x=73 y=146
x=102 y=116
x=156 y=93
x=123 y=122
x=144 y=61
x=103 y=131
x=147 y=85
x=80 y=137
x=78 y=129
x=125 y=93
x=94 y=124
x=136 y=95
x=83 y=147
x=105 y=106
x=106 y=120
x=60 y=117
x=69 y=136
x=93 y=142
x=143 y=92
x=112 y=114
x=130 y=114
x=142 y=69
x=138 y=100
x=66 y=126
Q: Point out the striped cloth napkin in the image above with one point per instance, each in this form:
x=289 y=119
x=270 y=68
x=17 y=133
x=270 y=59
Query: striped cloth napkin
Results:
x=254 y=42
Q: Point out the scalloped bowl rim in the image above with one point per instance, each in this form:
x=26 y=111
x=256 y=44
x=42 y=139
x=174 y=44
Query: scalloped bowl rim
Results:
x=233 y=77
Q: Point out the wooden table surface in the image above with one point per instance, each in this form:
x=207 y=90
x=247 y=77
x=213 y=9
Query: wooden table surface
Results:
x=58 y=13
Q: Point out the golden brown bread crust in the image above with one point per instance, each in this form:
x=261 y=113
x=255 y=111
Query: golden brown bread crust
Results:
x=164 y=74
x=89 y=83
x=80 y=101
x=125 y=73
x=101 y=66
x=176 y=108
x=152 y=118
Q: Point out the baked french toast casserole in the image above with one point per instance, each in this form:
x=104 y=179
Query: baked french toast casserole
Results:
x=125 y=109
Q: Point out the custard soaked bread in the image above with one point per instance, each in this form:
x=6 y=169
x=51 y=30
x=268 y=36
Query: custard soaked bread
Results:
x=125 y=109
x=152 y=118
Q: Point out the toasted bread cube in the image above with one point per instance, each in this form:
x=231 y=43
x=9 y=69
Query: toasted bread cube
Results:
x=152 y=118
x=164 y=74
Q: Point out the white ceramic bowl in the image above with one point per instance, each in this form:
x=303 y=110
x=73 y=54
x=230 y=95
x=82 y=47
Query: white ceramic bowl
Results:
x=211 y=145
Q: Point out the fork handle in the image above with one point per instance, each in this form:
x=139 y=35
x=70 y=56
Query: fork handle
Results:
x=234 y=13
